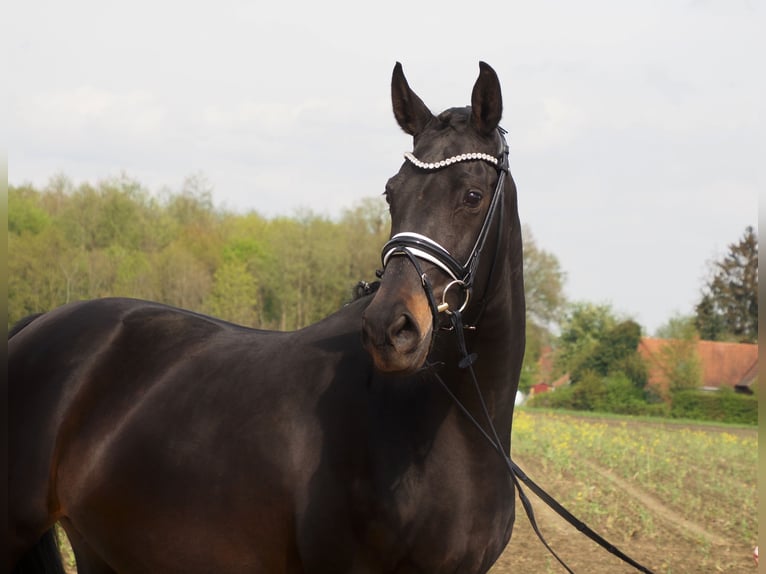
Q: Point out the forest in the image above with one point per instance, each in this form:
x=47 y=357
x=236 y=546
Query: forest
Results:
x=115 y=238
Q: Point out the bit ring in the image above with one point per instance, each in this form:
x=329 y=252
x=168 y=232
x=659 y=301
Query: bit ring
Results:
x=444 y=306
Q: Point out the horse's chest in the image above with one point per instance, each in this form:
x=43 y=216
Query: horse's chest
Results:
x=459 y=522
x=456 y=522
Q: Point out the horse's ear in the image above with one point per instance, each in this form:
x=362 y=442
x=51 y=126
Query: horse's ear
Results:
x=486 y=100
x=410 y=111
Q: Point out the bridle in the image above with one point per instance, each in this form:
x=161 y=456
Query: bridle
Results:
x=417 y=247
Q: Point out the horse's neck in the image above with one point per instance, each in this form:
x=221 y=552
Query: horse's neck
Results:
x=499 y=338
x=497 y=369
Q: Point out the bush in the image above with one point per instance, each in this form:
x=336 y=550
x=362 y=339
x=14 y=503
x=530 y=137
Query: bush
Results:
x=613 y=394
x=634 y=367
x=724 y=406
x=560 y=398
x=617 y=344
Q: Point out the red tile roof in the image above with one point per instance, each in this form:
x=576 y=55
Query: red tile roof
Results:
x=723 y=364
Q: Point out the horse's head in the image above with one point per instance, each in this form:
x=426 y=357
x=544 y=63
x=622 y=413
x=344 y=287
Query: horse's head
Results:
x=443 y=203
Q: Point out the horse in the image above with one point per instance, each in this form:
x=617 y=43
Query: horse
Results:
x=163 y=440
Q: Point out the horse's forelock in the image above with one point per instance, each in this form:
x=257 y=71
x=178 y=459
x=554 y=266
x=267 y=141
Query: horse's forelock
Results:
x=453 y=133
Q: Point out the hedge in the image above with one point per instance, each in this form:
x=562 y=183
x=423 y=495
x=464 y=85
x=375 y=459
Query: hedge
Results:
x=616 y=394
x=724 y=406
x=613 y=394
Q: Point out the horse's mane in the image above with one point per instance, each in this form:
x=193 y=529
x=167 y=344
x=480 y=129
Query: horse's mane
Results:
x=362 y=289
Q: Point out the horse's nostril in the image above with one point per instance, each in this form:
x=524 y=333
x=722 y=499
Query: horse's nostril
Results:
x=403 y=333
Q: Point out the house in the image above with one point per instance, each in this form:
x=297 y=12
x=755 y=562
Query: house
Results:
x=723 y=365
x=545 y=371
x=539 y=389
x=730 y=365
x=545 y=374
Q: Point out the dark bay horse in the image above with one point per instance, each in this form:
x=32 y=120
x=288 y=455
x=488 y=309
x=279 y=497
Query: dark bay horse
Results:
x=167 y=441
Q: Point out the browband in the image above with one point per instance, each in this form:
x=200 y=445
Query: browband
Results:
x=450 y=160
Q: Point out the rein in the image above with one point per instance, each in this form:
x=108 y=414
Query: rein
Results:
x=416 y=247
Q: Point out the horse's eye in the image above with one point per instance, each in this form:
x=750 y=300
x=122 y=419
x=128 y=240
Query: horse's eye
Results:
x=472 y=198
x=391 y=185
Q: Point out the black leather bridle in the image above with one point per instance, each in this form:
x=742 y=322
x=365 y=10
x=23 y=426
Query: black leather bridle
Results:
x=417 y=247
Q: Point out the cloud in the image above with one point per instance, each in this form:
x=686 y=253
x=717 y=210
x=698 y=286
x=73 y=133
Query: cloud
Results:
x=635 y=130
x=557 y=122
x=86 y=109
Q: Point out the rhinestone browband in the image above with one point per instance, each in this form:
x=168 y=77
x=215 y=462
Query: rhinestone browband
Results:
x=450 y=160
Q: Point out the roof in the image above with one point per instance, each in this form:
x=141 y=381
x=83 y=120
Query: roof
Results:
x=723 y=364
x=545 y=369
x=539 y=388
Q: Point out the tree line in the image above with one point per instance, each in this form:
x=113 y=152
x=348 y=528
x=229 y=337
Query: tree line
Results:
x=114 y=238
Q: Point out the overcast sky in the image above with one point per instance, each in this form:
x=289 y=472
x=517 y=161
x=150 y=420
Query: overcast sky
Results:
x=636 y=128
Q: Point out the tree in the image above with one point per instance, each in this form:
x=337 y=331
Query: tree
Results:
x=678 y=327
x=728 y=309
x=600 y=353
x=709 y=321
x=583 y=327
x=181 y=279
x=544 y=294
x=613 y=353
x=234 y=294
x=537 y=340
x=366 y=226
x=678 y=361
x=25 y=216
x=543 y=283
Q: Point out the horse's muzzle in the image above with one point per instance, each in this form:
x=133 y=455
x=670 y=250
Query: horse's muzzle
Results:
x=397 y=325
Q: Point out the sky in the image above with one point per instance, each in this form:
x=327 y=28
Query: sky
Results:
x=636 y=128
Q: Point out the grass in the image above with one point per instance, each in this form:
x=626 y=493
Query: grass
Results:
x=683 y=496
x=671 y=422
x=67 y=555
x=699 y=471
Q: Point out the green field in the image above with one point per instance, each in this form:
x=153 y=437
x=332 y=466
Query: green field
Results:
x=678 y=497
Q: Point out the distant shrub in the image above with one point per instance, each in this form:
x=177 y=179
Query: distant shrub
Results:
x=613 y=394
x=611 y=352
x=722 y=406
x=560 y=398
x=634 y=368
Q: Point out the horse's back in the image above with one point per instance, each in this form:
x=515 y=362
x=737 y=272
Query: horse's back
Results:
x=94 y=347
x=144 y=409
